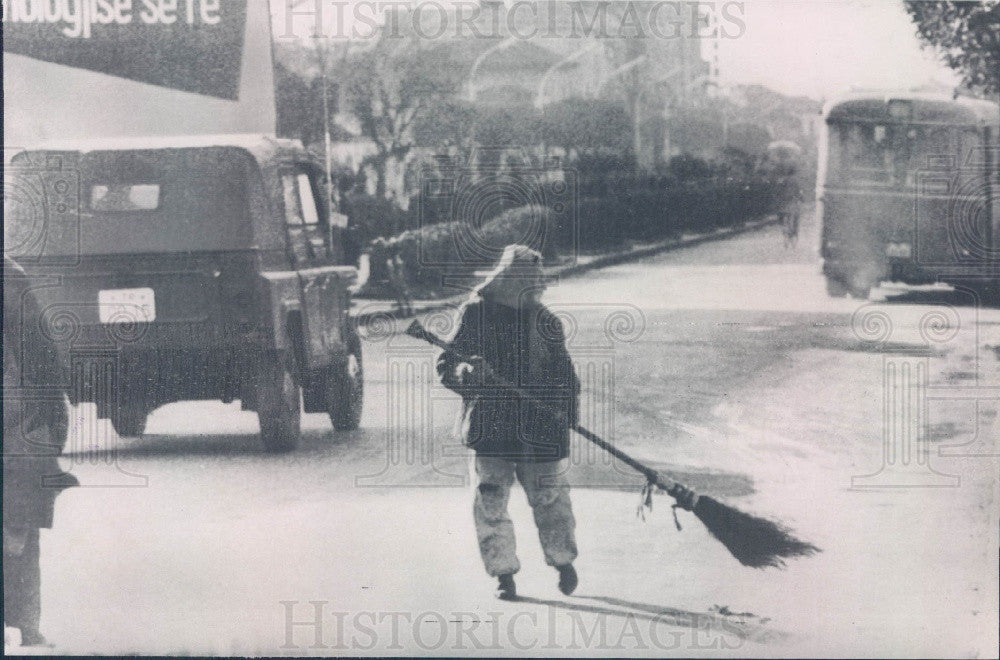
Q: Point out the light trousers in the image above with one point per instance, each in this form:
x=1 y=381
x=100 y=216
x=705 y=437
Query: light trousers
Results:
x=548 y=494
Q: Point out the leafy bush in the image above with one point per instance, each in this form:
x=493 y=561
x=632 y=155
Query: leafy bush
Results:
x=688 y=195
x=375 y=216
x=529 y=225
x=599 y=222
x=433 y=252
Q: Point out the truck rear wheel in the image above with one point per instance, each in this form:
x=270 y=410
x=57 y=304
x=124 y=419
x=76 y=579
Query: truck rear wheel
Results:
x=129 y=422
x=278 y=402
x=345 y=388
x=835 y=288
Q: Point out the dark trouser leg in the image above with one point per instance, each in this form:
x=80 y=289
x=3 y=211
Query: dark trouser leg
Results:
x=22 y=603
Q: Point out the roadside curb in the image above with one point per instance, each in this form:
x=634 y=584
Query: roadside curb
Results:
x=365 y=317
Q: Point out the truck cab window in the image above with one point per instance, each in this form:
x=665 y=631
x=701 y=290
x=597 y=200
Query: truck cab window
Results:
x=302 y=215
x=307 y=200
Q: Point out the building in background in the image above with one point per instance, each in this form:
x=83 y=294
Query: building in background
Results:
x=647 y=55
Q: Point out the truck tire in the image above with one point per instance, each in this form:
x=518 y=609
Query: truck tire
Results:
x=345 y=388
x=129 y=421
x=861 y=291
x=835 y=288
x=278 y=401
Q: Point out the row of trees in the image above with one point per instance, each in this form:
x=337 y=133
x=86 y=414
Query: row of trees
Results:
x=402 y=97
x=410 y=101
x=407 y=92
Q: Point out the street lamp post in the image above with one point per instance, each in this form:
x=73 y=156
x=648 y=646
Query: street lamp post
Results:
x=470 y=84
x=324 y=55
x=576 y=54
x=323 y=52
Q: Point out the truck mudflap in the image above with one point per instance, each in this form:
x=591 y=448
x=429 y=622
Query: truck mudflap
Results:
x=281 y=297
x=309 y=311
x=326 y=304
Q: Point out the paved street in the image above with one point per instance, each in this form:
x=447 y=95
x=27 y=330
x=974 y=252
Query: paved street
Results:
x=724 y=364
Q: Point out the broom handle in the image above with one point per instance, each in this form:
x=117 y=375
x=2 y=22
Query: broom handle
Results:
x=670 y=486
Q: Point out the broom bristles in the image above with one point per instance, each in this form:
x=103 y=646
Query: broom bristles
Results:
x=755 y=542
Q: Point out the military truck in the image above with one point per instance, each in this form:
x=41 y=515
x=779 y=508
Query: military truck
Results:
x=190 y=268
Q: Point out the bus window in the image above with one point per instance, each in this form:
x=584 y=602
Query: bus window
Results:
x=878 y=154
x=971 y=148
x=866 y=156
x=931 y=147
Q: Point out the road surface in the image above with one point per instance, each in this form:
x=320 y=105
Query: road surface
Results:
x=725 y=364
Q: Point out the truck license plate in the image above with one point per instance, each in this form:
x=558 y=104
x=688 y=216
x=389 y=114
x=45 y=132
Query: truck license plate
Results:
x=126 y=305
x=898 y=250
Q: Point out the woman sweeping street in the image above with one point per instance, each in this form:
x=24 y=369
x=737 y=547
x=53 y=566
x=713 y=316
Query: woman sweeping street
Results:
x=516 y=338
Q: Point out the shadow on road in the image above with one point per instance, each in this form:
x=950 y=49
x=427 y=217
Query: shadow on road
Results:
x=956 y=297
x=739 y=626
x=314 y=443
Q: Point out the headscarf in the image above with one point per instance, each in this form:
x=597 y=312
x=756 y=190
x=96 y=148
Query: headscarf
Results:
x=518 y=262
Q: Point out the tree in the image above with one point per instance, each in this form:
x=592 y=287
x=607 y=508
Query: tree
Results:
x=449 y=125
x=748 y=138
x=299 y=107
x=587 y=125
x=966 y=34
x=389 y=87
x=697 y=129
x=512 y=126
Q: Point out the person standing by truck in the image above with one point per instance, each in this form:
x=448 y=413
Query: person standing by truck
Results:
x=516 y=338
x=34 y=433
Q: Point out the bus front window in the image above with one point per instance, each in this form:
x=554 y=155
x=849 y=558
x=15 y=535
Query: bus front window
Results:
x=893 y=154
x=867 y=157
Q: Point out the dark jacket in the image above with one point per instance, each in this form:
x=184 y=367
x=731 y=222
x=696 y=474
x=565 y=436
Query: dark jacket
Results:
x=525 y=347
x=34 y=410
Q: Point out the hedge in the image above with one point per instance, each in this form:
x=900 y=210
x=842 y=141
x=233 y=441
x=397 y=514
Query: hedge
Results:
x=695 y=198
x=375 y=217
x=458 y=250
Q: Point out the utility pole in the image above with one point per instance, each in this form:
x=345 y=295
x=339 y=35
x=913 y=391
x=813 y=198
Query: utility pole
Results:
x=322 y=48
x=323 y=53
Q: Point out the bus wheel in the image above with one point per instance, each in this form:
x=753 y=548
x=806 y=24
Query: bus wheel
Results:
x=278 y=401
x=345 y=389
x=860 y=291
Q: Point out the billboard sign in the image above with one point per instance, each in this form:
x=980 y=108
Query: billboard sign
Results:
x=190 y=45
x=95 y=68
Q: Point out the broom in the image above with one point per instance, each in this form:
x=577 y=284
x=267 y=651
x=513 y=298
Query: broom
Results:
x=753 y=541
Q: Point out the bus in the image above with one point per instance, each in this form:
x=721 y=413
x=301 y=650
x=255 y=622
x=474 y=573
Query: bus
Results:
x=908 y=192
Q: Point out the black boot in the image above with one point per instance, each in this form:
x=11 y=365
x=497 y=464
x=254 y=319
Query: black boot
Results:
x=506 y=589
x=567 y=578
x=34 y=638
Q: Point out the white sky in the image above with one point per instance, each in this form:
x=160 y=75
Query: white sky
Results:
x=818 y=48
x=823 y=47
